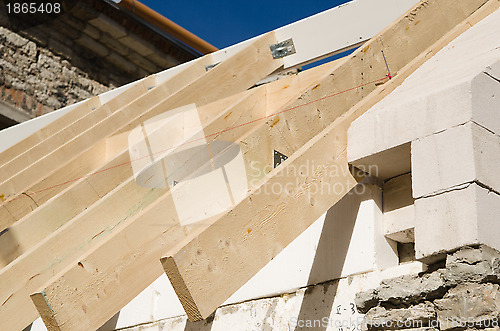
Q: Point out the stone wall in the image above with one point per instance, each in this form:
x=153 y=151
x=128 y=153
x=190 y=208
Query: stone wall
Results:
x=463 y=293
x=35 y=80
x=92 y=48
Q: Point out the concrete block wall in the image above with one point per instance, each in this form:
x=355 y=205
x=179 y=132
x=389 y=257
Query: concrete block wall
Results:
x=456 y=184
x=443 y=122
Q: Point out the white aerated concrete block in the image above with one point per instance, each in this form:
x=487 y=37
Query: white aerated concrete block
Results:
x=467 y=215
x=458 y=155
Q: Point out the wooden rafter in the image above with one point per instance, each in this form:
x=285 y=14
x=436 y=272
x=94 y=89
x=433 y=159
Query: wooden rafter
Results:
x=120 y=196
x=80 y=125
x=152 y=226
x=84 y=152
x=70 y=238
x=52 y=128
x=21 y=200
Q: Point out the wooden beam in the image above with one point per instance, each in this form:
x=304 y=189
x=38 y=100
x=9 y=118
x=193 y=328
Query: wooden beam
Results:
x=80 y=125
x=150 y=240
x=26 y=179
x=96 y=222
x=24 y=202
x=209 y=265
x=44 y=220
x=82 y=194
x=229 y=77
x=59 y=250
x=73 y=115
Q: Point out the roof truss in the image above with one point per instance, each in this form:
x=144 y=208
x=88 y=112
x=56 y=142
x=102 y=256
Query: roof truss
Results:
x=85 y=248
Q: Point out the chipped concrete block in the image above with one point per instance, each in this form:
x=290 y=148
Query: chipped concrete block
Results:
x=366 y=300
x=411 y=289
x=403 y=291
x=398 y=208
x=462 y=154
x=466 y=215
x=463 y=295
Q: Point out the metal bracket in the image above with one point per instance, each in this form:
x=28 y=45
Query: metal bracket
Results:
x=282 y=49
x=210 y=66
x=278 y=158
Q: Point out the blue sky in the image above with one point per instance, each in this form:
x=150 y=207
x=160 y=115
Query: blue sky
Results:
x=224 y=23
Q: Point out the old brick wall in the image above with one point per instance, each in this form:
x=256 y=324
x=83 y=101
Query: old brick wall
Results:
x=462 y=294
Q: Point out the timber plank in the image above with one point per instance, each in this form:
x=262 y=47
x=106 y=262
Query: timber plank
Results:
x=229 y=77
x=64 y=173
x=73 y=200
x=155 y=222
x=50 y=129
x=79 y=126
x=81 y=233
x=118 y=206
